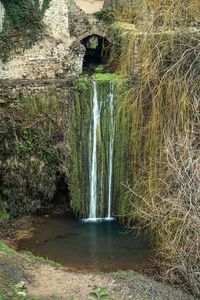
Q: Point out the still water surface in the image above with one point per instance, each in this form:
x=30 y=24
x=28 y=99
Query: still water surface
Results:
x=101 y=246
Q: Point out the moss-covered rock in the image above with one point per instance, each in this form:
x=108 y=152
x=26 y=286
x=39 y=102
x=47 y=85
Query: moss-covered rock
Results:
x=33 y=151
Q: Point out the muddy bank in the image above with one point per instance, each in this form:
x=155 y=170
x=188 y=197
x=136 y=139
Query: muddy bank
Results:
x=16 y=229
x=44 y=281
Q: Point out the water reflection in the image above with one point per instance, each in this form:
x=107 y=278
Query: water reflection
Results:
x=91 y=246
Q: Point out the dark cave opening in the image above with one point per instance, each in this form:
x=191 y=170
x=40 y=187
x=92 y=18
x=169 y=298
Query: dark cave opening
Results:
x=97 y=51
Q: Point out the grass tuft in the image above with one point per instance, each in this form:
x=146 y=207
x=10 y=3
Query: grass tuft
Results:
x=6 y=249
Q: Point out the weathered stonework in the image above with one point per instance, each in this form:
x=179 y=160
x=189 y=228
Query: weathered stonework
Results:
x=2 y=13
x=60 y=53
x=81 y=24
x=14 y=88
x=56 y=20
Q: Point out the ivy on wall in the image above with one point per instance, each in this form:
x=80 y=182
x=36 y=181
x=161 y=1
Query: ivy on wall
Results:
x=34 y=151
x=23 y=25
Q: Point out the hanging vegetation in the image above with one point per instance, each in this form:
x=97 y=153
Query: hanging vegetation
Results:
x=161 y=58
x=158 y=12
x=33 y=151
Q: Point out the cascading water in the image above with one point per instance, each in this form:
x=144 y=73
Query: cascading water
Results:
x=111 y=150
x=94 y=127
x=93 y=140
x=94 y=165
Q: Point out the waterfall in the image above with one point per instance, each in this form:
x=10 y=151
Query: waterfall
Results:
x=95 y=165
x=93 y=139
x=93 y=172
x=111 y=150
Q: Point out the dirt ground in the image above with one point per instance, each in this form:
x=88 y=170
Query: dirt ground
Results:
x=45 y=282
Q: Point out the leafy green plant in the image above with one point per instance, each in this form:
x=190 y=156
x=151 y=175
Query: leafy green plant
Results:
x=4 y=215
x=22 y=26
x=100 y=294
x=83 y=84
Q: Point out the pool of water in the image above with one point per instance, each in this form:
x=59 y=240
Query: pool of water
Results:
x=90 y=246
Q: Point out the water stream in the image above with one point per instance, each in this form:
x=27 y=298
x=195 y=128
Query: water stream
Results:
x=111 y=149
x=95 y=138
x=95 y=123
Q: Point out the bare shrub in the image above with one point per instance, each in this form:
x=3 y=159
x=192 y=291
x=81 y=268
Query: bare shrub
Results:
x=173 y=215
x=160 y=56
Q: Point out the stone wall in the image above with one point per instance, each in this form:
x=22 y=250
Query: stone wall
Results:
x=56 y=20
x=14 y=88
x=2 y=13
x=60 y=53
x=46 y=58
x=82 y=24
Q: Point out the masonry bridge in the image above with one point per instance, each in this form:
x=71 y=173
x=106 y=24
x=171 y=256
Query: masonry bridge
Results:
x=74 y=39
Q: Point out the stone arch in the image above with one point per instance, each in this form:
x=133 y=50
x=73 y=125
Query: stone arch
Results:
x=95 y=30
x=2 y=14
x=97 y=49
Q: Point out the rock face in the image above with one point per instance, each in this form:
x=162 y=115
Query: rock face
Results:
x=55 y=56
x=2 y=13
x=56 y=20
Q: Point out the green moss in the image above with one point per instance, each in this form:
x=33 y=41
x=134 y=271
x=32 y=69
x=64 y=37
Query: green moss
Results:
x=101 y=69
x=2 y=110
x=4 y=215
x=106 y=77
x=7 y=250
x=33 y=151
x=114 y=10
x=43 y=260
x=82 y=84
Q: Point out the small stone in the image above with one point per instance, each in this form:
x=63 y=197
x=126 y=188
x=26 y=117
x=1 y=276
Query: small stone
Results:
x=21 y=294
x=36 y=204
x=21 y=285
x=2 y=101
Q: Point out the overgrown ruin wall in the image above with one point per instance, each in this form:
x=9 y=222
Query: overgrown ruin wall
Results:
x=2 y=13
x=59 y=54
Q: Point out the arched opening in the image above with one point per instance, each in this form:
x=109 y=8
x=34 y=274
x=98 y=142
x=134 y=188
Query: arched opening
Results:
x=97 y=51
